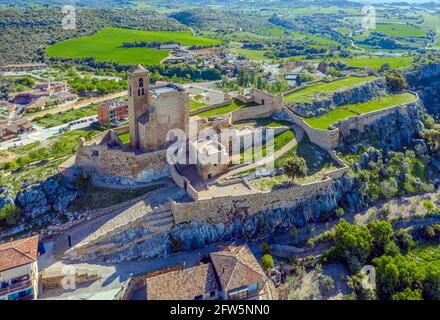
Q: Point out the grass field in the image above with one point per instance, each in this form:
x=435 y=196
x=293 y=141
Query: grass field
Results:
x=351 y=110
x=400 y=30
x=256 y=55
x=376 y=62
x=323 y=88
x=194 y=104
x=106 y=45
x=53 y=120
x=125 y=137
x=235 y=105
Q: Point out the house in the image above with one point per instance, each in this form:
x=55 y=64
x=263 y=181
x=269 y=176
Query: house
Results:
x=169 y=46
x=13 y=129
x=233 y=273
x=19 y=269
x=112 y=112
x=239 y=273
x=24 y=67
x=196 y=283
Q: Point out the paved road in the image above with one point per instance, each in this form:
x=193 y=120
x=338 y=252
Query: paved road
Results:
x=42 y=134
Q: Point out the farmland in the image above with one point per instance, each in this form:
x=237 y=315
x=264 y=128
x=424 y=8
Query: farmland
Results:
x=378 y=61
x=106 y=45
x=320 y=89
x=351 y=110
x=234 y=105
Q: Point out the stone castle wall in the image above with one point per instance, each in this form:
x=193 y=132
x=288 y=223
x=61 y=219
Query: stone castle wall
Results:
x=221 y=209
x=358 y=123
x=327 y=139
x=105 y=161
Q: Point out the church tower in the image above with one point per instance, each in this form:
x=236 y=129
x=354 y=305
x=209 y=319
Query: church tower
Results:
x=138 y=86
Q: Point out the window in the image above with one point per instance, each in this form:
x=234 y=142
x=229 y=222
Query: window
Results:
x=141 y=83
x=143 y=91
x=130 y=91
x=253 y=287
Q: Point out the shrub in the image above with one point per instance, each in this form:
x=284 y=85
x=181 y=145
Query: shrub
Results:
x=327 y=283
x=265 y=248
x=267 y=261
x=10 y=214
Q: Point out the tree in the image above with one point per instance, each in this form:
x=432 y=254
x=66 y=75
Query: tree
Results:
x=267 y=261
x=408 y=294
x=432 y=138
x=10 y=213
x=381 y=232
x=295 y=167
x=352 y=244
x=265 y=248
x=396 y=80
x=327 y=283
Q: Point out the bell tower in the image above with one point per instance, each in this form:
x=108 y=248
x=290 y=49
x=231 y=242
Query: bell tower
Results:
x=138 y=86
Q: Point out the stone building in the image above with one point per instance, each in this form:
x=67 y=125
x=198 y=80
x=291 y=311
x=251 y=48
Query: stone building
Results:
x=154 y=110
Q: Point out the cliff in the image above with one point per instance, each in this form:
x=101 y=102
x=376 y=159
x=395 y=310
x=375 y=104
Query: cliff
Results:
x=362 y=93
x=426 y=81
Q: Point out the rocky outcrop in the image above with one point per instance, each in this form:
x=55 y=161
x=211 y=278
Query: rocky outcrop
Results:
x=393 y=131
x=54 y=194
x=426 y=81
x=362 y=93
x=156 y=234
x=6 y=196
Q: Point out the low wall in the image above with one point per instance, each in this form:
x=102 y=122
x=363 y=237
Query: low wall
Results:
x=105 y=161
x=327 y=139
x=223 y=208
x=207 y=108
x=183 y=182
x=262 y=111
x=359 y=122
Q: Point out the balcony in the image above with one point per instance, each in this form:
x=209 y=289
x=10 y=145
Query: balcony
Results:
x=16 y=287
x=245 y=295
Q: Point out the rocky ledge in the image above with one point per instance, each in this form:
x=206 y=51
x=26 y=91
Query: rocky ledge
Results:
x=362 y=93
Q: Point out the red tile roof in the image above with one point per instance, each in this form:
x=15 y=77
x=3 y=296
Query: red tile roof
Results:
x=237 y=267
x=182 y=284
x=18 y=253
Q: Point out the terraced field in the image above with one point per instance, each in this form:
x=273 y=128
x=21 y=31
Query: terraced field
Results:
x=235 y=105
x=322 y=89
x=376 y=62
x=106 y=45
x=351 y=110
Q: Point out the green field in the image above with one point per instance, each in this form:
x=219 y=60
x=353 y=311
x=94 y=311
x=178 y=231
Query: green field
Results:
x=256 y=55
x=400 y=30
x=234 y=105
x=125 y=137
x=195 y=104
x=351 y=110
x=376 y=62
x=53 y=120
x=321 y=89
x=106 y=45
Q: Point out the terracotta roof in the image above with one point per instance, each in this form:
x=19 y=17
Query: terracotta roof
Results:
x=18 y=253
x=182 y=284
x=237 y=267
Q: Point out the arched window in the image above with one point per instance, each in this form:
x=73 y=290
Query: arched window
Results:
x=130 y=91
x=141 y=83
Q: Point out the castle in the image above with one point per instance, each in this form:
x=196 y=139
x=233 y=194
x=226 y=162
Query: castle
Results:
x=153 y=111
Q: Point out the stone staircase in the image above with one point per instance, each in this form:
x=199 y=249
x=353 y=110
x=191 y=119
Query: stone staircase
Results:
x=141 y=222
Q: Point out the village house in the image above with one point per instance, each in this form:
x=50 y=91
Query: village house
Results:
x=24 y=67
x=233 y=273
x=113 y=112
x=19 y=269
x=14 y=128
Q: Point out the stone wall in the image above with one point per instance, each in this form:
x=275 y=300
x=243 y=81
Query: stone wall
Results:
x=210 y=107
x=106 y=161
x=221 y=209
x=327 y=139
x=359 y=122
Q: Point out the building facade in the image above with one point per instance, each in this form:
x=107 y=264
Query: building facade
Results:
x=19 y=269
